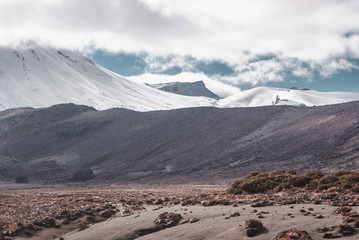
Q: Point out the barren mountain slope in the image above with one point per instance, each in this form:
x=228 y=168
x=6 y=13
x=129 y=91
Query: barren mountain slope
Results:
x=184 y=145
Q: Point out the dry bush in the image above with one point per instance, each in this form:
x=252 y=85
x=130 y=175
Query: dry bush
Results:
x=259 y=182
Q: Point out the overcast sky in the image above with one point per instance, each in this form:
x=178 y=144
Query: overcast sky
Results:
x=244 y=43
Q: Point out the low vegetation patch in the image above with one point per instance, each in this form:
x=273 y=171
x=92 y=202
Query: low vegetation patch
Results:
x=21 y=179
x=278 y=180
x=254 y=227
x=83 y=175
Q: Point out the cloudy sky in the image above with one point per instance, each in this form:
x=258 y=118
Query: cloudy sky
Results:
x=245 y=43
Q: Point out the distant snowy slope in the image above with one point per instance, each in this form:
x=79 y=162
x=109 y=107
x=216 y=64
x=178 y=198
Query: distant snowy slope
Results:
x=219 y=88
x=264 y=96
x=195 y=89
x=42 y=77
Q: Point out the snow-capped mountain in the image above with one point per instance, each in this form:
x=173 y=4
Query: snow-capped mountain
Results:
x=264 y=96
x=41 y=77
x=194 y=89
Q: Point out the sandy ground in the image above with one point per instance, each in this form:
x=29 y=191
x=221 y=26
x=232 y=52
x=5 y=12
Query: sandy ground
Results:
x=212 y=224
x=25 y=205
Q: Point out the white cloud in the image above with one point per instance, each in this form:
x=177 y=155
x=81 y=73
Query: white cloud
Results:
x=231 y=31
x=329 y=68
x=262 y=71
x=156 y=64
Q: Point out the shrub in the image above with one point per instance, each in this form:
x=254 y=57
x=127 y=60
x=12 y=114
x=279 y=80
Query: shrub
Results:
x=313 y=185
x=254 y=227
x=254 y=223
x=21 y=179
x=83 y=175
x=328 y=179
x=341 y=173
x=314 y=174
x=277 y=180
x=300 y=181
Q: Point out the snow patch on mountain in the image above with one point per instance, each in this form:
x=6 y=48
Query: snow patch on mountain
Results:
x=264 y=96
x=41 y=77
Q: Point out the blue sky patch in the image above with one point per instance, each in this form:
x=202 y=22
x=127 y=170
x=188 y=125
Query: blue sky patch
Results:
x=128 y=64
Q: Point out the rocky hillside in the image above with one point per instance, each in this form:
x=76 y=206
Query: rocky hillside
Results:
x=179 y=146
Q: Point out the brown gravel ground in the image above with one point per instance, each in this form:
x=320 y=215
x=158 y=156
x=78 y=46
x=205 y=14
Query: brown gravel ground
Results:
x=26 y=204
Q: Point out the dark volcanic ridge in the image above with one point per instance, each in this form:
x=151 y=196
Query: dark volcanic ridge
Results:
x=194 y=145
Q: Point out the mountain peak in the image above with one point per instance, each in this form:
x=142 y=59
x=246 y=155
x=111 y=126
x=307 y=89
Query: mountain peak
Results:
x=41 y=77
x=195 y=89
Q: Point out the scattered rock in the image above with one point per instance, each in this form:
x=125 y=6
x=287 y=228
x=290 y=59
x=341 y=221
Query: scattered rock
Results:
x=332 y=235
x=346 y=229
x=81 y=226
x=235 y=214
x=342 y=210
x=107 y=213
x=262 y=204
x=66 y=221
x=254 y=227
x=167 y=220
x=292 y=233
x=46 y=222
x=157 y=208
x=184 y=221
x=158 y=202
x=126 y=213
x=325 y=229
x=90 y=219
x=193 y=220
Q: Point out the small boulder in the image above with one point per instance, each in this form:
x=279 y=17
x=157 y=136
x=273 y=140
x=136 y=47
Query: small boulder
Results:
x=193 y=220
x=107 y=213
x=332 y=235
x=46 y=222
x=127 y=213
x=159 y=201
x=254 y=227
x=292 y=233
x=346 y=229
x=167 y=220
x=235 y=214
x=343 y=210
